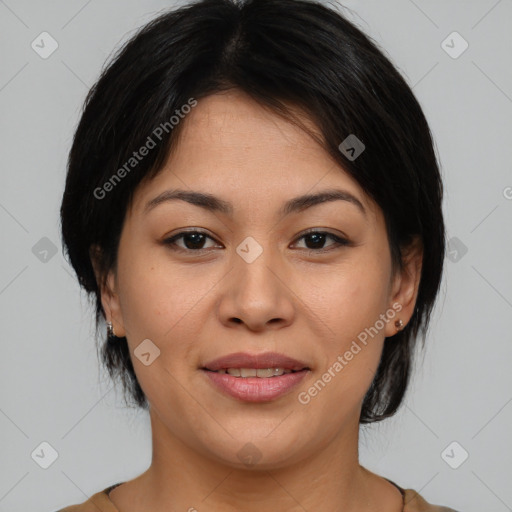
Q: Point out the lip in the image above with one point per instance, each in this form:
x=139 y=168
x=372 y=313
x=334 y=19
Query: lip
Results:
x=258 y=361
x=255 y=389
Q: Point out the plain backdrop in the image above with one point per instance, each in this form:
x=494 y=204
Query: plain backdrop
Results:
x=51 y=387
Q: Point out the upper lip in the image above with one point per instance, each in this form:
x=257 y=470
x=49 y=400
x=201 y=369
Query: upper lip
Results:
x=264 y=360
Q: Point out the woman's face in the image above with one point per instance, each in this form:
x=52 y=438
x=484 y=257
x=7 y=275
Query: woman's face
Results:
x=254 y=282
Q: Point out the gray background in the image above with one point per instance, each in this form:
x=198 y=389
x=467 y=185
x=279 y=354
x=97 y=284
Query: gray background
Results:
x=52 y=389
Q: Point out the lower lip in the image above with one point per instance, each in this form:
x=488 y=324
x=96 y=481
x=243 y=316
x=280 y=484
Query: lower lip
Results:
x=255 y=389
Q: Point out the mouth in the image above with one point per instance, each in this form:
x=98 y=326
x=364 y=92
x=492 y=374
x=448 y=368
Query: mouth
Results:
x=255 y=377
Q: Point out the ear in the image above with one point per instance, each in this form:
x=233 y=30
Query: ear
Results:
x=109 y=296
x=405 y=285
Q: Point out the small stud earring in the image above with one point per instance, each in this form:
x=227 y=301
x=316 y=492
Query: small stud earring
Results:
x=399 y=325
x=110 y=330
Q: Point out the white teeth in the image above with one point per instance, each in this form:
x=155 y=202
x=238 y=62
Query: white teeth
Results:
x=253 y=372
x=244 y=372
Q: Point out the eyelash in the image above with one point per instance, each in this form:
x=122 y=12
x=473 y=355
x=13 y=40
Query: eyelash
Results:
x=339 y=242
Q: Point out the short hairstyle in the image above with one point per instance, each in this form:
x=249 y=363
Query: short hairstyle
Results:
x=287 y=55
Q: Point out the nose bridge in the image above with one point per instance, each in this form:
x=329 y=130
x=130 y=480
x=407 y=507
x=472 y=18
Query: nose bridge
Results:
x=256 y=293
x=255 y=263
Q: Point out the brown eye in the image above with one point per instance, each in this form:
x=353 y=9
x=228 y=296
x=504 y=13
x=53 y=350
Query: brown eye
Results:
x=315 y=241
x=192 y=240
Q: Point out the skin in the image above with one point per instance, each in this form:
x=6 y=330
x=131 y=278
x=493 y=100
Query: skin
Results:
x=306 y=304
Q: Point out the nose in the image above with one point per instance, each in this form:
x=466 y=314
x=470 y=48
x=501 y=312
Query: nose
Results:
x=256 y=295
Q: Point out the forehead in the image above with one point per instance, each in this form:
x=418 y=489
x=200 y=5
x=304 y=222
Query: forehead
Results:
x=229 y=142
x=234 y=115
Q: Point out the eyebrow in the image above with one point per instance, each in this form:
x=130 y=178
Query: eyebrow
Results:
x=214 y=204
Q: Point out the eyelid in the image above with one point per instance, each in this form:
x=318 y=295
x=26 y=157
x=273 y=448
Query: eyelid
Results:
x=323 y=232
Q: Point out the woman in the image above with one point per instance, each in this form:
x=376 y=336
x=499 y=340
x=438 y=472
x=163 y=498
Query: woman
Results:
x=254 y=202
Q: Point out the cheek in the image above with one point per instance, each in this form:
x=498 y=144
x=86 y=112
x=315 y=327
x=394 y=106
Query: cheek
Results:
x=159 y=300
x=146 y=291
x=348 y=297
x=347 y=303
x=351 y=346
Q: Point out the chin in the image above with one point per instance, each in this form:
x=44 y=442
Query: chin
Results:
x=257 y=451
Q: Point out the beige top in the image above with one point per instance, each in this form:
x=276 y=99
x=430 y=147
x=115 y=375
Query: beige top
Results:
x=100 y=502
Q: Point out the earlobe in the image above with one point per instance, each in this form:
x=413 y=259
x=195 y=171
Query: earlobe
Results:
x=406 y=284
x=109 y=295
x=111 y=305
